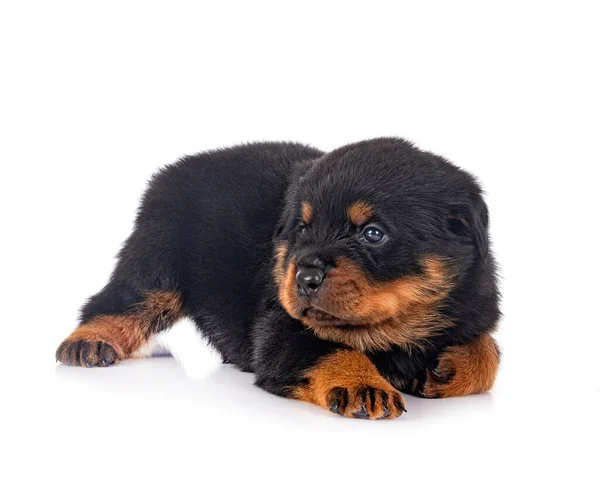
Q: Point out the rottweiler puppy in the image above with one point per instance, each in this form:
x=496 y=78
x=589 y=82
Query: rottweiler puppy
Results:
x=339 y=278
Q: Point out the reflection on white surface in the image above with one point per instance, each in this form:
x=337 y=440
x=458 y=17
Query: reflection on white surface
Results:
x=225 y=391
x=145 y=409
x=226 y=388
x=161 y=416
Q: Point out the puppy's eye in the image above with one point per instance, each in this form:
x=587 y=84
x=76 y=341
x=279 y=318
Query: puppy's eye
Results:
x=302 y=228
x=373 y=234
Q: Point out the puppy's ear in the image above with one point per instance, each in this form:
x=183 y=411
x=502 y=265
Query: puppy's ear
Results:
x=471 y=221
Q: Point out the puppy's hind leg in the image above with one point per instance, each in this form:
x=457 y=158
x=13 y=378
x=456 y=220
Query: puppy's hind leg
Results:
x=116 y=323
x=141 y=300
x=144 y=295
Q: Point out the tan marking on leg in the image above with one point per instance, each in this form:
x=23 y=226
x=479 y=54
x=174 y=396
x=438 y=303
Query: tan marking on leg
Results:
x=472 y=368
x=124 y=333
x=348 y=381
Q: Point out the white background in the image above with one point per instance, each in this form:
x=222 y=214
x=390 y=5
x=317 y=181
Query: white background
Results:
x=95 y=96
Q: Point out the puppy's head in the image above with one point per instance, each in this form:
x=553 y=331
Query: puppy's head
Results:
x=373 y=237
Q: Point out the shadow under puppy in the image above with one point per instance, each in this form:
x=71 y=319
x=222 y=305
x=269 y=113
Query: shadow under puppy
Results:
x=376 y=277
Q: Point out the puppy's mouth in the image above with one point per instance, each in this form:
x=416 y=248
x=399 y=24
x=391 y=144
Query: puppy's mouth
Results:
x=322 y=318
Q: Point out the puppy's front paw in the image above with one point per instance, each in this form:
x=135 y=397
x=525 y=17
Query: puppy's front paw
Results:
x=366 y=402
x=347 y=383
x=437 y=381
x=462 y=370
x=86 y=353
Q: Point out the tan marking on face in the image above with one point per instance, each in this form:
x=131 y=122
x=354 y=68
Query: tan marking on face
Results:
x=287 y=289
x=359 y=213
x=281 y=250
x=402 y=312
x=410 y=332
x=307 y=212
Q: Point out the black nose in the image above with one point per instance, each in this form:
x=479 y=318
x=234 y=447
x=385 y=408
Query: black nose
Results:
x=309 y=279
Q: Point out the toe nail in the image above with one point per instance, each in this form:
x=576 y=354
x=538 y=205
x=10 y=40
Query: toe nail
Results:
x=362 y=413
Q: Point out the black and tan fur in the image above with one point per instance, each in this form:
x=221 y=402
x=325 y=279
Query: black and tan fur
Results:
x=339 y=279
